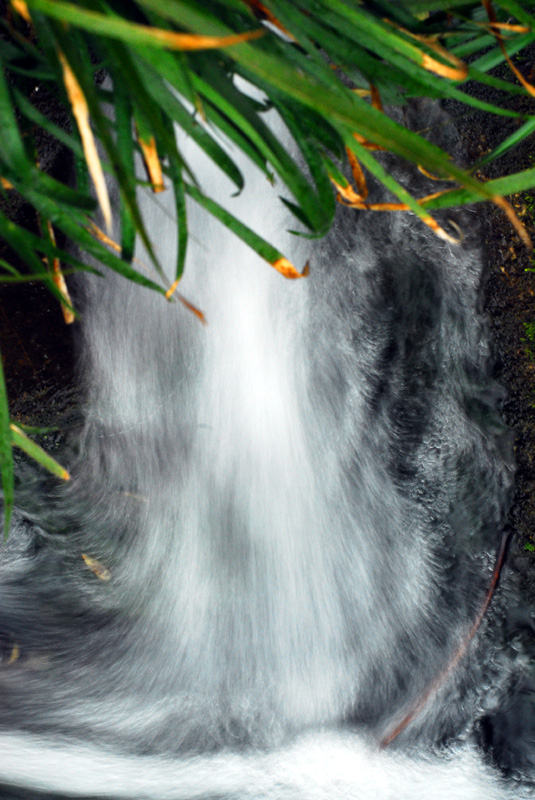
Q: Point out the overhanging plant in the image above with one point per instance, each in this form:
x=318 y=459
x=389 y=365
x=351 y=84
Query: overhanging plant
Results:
x=327 y=66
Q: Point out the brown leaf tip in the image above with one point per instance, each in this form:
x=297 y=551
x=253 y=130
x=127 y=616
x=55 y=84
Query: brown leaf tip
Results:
x=97 y=568
x=287 y=269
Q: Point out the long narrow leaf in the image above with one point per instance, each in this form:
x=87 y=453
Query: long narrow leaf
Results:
x=11 y=147
x=263 y=248
x=35 y=116
x=181 y=218
x=123 y=117
x=79 y=62
x=510 y=184
x=6 y=455
x=21 y=244
x=80 y=111
x=86 y=241
x=134 y=34
x=507 y=144
x=19 y=439
x=167 y=100
x=399 y=191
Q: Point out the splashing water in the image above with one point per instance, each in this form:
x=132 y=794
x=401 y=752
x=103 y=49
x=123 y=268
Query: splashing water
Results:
x=298 y=506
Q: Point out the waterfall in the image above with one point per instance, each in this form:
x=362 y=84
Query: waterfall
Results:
x=296 y=505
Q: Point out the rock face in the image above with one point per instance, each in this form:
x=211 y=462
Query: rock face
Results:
x=508 y=294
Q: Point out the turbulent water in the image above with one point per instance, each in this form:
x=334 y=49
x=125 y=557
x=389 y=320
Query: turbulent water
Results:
x=297 y=505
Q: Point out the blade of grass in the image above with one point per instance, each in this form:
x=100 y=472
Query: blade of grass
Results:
x=69 y=314
x=79 y=60
x=78 y=233
x=510 y=184
x=7 y=469
x=507 y=144
x=492 y=80
x=43 y=184
x=21 y=244
x=149 y=150
x=399 y=191
x=36 y=430
x=134 y=34
x=517 y=11
x=265 y=250
x=19 y=439
x=314 y=162
x=181 y=218
x=173 y=107
x=12 y=271
x=35 y=116
x=222 y=92
x=11 y=146
x=80 y=110
x=495 y=57
x=125 y=146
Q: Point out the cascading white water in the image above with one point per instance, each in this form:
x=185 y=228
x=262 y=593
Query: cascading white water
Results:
x=272 y=494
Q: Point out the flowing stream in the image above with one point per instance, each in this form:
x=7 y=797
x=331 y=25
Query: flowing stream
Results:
x=297 y=507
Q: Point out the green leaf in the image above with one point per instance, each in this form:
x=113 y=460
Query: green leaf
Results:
x=427 y=6
x=79 y=61
x=510 y=184
x=14 y=273
x=517 y=11
x=172 y=106
x=181 y=216
x=11 y=147
x=105 y=25
x=314 y=161
x=42 y=183
x=81 y=236
x=123 y=118
x=479 y=42
x=389 y=182
x=6 y=455
x=19 y=439
x=495 y=57
x=263 y=248
x=21 y=243
x=234 y=104
x=497 y=83
x=36 y=429
x=350 y=24
x=31 y=113
x=507 y=144
x=43 y=276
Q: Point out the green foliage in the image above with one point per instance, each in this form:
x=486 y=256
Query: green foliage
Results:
x=529 y=340
x=171 y=64
x=529 y=328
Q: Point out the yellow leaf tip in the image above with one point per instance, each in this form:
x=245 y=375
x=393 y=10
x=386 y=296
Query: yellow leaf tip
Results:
x=170 y=292
x=97 y=568
x=287 y=269
x=194 y=310
x=81 y=114
x=22 y=9
x=152 y=163
x=15 y=653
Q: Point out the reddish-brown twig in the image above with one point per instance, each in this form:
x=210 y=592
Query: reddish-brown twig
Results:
x=459 y=653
